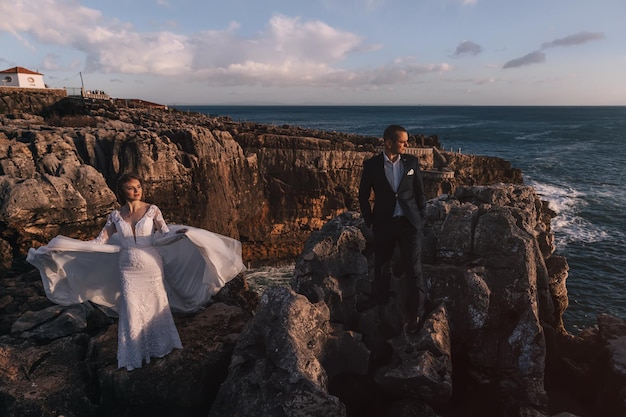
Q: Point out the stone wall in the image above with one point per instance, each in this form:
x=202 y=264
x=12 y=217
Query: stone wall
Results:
x=28 y=100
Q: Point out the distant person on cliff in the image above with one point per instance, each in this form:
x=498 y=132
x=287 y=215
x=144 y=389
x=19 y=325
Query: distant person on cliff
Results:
x=142 y=269
x=396 y=219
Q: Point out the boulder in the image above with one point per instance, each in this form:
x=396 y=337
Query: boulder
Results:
x=421 y=367
x=487 y=276
x=276 y=368
x=184 y=382
x=44 y=380
x=62 y=360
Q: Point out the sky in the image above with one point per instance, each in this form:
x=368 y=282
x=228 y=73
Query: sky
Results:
x=325 y=52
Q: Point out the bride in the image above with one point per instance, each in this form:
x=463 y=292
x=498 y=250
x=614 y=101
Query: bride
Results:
x=142 y=270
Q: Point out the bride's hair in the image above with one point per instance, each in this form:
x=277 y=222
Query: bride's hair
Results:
x=123 y=179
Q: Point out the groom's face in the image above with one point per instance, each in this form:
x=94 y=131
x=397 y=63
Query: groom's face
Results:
x=397 y=146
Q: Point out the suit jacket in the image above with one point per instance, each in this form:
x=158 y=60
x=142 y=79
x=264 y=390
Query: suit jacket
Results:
x=410 y=194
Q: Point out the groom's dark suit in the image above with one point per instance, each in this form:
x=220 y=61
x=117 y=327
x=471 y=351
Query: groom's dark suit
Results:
x=388 y=230
x=410 y=193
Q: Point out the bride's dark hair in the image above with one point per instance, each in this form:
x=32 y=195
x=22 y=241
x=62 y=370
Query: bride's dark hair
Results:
x=123 y=179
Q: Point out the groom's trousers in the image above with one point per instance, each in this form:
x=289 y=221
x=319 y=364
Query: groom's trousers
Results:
x=402 y=233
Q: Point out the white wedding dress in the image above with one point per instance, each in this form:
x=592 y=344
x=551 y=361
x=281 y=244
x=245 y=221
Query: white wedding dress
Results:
x=142 y=273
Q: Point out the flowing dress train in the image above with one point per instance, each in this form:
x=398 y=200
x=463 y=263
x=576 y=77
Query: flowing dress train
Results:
x=142 y=273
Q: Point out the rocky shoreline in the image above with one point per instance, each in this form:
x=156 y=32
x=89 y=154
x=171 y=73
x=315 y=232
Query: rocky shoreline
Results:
x=493 y=344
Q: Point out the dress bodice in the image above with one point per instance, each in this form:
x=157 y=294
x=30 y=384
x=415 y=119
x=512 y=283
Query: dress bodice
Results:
x=141 y=235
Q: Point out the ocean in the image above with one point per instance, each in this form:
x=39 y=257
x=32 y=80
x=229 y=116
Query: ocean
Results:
x=573 y=156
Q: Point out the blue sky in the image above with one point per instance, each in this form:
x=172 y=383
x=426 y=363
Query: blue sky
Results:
x=414 y=52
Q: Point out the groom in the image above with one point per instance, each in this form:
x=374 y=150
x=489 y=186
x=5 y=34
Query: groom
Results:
x=396 y=219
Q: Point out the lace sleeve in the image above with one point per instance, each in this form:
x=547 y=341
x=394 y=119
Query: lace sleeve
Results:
x=106 y=232
x=159 y=222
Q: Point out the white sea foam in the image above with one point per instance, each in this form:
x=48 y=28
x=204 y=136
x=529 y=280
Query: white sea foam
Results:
x=262 y=277
x=533 y=136
x=568 y=225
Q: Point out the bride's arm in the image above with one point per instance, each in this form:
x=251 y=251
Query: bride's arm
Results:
x=106 y=232
x=159 y=222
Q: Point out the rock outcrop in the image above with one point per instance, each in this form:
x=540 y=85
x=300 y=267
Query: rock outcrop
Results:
x=62 y=361
x=492 y=342
x=18 y=102
x=268 y=186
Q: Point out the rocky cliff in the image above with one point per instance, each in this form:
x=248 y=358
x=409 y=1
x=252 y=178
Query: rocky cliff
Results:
x=268 y=186
x=17 y=102
x=493 y=341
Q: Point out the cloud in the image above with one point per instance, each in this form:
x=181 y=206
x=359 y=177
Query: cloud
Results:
x=352 y=6
x=485 y=81
x=576 y=39
x=539 y=57
x=536 y=57
x=467 y=48
x=53 y=62
x=288 y=51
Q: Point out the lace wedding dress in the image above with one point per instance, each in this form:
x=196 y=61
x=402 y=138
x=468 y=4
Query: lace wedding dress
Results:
x=142 y=273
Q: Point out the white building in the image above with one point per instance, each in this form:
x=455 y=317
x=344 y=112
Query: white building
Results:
x=21 y=77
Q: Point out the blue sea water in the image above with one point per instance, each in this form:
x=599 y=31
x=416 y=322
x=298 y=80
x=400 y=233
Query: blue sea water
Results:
x=573 y=156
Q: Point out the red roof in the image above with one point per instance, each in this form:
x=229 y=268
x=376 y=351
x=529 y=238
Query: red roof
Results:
x=19 y=70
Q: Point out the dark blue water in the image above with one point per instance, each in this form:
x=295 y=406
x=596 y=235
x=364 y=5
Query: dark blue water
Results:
x=573 y=156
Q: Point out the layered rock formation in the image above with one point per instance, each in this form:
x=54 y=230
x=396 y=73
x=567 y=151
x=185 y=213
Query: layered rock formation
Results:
x=268 y=186
x=62 y=361
x=18 y=102
x=493 y=342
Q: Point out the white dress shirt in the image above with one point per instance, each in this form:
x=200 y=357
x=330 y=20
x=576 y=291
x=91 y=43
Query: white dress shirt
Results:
x=393 y=172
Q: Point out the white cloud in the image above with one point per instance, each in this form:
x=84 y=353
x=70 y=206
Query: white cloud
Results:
x=51 y=62
x=289 y=51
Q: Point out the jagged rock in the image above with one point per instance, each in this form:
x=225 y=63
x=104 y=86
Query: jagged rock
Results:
x=493 y=303
x=345 y=353
x=16 y=100
x=6 y=256
x=275 y=369
x=612 y=376
x=485 y=266
x=53 y=322
x=488 y=257
x=44 y=380
x=19 y=295
x=182 y=383
x=422 y=364
x=269 y=186
x=45 y=370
